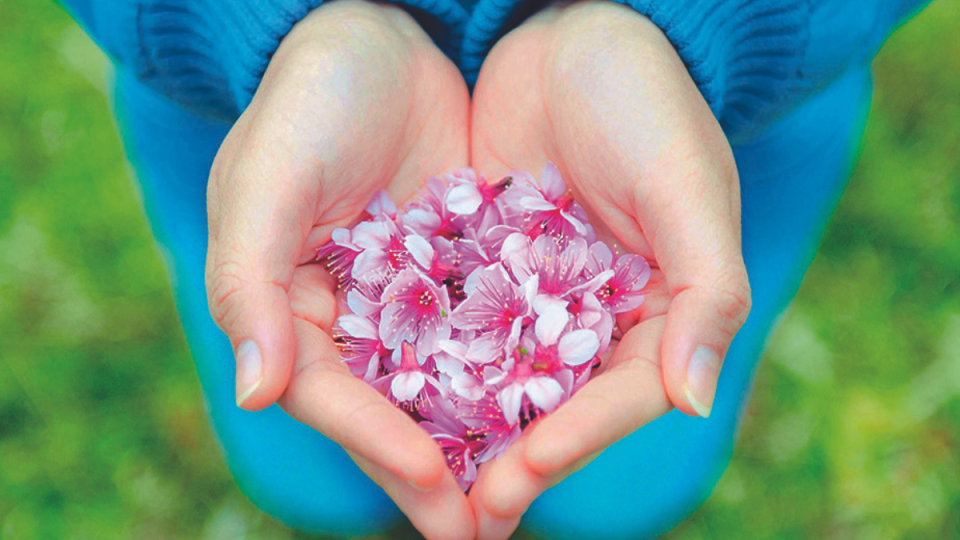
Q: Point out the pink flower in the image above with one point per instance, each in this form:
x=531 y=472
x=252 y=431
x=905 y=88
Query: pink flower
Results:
x=339 y=254
x=552 y=210
x=466 y=197
x=484 y=418
x=622 y=292
x=383 y=251
x=360 y=346
x=415 y=310
x=458 y=446
x=408 y=383
x=497 y=307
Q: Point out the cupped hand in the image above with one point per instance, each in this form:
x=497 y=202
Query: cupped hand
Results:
x=598 y=90
x=356 y=99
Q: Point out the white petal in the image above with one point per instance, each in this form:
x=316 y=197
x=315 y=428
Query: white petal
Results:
x=455 y=349
x=467 y=386
x=372 y=366
x=537 y=203
x=342 y=237
x=464 y=199
x=448 y=364
x=551 y=182
x=371 y=235
x=492 y=375
x=361 y=305
x=381 y=203
x=369 y=263
x=509 y=400
x=550 y=324
x=407 y=384
x=421 y=250
x=544 y=392
x=543 y=302
x=357 y=326
x=578 y=347
x=577 y=224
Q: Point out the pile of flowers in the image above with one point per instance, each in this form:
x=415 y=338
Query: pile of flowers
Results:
x=479 y=307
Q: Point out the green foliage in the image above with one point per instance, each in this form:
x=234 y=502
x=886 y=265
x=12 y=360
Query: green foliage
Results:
x=852 y=430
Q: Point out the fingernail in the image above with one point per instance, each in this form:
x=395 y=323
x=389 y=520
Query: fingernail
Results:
x=249 y=370
x=702 y=375
x=418 y=488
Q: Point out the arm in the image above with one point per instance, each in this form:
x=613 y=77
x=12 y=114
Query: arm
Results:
x=751 y=61
x=210 y=55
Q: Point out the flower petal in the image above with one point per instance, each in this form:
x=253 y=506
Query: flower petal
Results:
x=537 y=204
x=509 y=400
x=421 y=250
x=551 y=182
x=360 y=327
x=464 y=199
x=371 y=235
x=369 y=264
x=407 y=384
x=360 y=305
x=467 y=386
x=381 y=203
x=544 y=392
x=578 y=347
x=550 y=324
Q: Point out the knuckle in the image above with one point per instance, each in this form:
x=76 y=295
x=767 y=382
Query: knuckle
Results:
x=734 y=301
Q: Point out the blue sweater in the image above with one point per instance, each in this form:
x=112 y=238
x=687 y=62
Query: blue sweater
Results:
x=753 y=60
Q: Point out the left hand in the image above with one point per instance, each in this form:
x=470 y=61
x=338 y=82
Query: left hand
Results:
x=597 y=89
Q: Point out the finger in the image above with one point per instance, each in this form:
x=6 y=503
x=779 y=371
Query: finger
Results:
x=259 y=217
x=442 y=513
x=614 y=404
x=695 y=233
x=497 y=514
x=324 y=395
x=312 y=296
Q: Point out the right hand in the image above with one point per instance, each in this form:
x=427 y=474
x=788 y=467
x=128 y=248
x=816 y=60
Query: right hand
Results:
x=356 y=99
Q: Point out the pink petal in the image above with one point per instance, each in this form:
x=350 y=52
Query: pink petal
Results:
x=381 y=204
x=537 y=204
x=407 y=384
x=360 y=305
x=551 y=182
x=464 y=199
x=421 y=250
x=510 y=399
x=577 y=224
x=578 y=347
x=600 y=259
x=357 y=326
x=371 y=235
x=544 y=392
x=373 y=366
x=343 y=238
x=550 y=324
x=369 y=264
x=422 y=222
x=467 y=386
x=492 y=375
x=542 y=302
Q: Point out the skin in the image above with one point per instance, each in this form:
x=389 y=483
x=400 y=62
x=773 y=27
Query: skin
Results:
x=357 y=99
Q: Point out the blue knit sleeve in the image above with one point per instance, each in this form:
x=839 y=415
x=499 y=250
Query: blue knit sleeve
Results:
x=753 y=60
x=210 y=55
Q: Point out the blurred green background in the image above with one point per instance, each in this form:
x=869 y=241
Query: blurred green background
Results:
x=852 y=431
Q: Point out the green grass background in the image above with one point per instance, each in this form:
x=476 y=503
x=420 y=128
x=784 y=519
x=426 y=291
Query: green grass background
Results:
x=852 y=430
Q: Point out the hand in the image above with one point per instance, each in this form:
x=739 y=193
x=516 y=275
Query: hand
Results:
x=598 y=90
x=356 y=99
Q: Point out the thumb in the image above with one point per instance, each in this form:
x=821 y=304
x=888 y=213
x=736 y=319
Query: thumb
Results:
x=259 y=219
x=694 y=224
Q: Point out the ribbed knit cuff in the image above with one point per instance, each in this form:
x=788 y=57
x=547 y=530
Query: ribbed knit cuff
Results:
x=210 y=55
x=744 y=55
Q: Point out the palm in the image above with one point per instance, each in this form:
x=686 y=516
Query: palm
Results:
x=356 y=99
x=643 y=154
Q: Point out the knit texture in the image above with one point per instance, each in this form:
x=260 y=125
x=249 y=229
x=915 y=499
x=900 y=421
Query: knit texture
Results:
x=753 y=60
x=210 y=55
